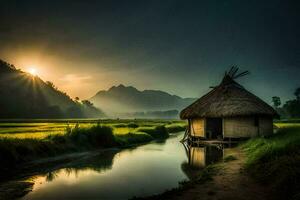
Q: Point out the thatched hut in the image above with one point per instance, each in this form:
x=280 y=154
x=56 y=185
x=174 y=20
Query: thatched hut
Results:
x=228 y=111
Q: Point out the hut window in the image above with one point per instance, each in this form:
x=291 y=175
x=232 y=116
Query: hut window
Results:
x=256 y=121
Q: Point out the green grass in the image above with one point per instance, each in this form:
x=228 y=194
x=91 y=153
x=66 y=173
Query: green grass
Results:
x=276 y=160
x=288 y=121
x=133 y=138
x=175 y=127
x=155 y=132
x=286 y=125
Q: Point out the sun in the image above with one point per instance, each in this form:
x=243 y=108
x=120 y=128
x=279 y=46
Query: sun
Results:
x=32 y=71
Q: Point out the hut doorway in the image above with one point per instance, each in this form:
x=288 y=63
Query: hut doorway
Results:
x=214 y=128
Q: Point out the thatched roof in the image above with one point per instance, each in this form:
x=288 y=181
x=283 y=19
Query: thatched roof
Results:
x=227 y=100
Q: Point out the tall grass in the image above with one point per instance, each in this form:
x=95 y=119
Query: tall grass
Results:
x=174 y=128
x=95 y=136
x=276 y=161
x=14 y=151
x=133 y=125
x=133 y=138
x=159 y=132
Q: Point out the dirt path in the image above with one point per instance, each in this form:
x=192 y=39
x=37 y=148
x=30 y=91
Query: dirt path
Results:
x=230 y=182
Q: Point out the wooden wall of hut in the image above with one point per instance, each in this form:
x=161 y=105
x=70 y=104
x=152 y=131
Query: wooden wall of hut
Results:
x=197 y=127
x=245 y=127
x=265 y=126
x=235 y=127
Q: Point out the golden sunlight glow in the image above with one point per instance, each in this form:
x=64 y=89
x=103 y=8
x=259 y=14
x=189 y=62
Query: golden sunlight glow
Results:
x=32 y=71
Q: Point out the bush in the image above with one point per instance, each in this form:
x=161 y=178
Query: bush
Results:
x=96 y=136
x=120 y=125
x=133 y=125
x=133 y=138
x=156 y=132
x=101 y=136
x=175 y=128
x=58 y=139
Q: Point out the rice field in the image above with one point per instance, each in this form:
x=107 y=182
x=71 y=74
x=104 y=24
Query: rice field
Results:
x=286 y=125
x=40 y=129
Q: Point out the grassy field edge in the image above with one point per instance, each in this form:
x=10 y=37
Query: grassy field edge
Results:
x=15 y=151
x=275 y=161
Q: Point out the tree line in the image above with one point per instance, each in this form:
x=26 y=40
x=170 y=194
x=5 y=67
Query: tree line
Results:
x=291 y=108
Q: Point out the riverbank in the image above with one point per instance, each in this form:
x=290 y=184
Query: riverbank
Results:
x=17 y=151
x=225 y=180
x=85 y=169
x=261 y=168
x=21 y=180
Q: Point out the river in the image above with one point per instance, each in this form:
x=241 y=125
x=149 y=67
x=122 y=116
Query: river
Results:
x=142 y=171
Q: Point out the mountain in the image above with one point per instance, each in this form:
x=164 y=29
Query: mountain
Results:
x=26 y=96
x=119 y=100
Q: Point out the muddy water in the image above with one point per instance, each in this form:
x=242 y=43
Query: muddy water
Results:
x=141 y=171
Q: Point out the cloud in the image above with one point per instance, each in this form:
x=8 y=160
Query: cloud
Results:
x=76 y=78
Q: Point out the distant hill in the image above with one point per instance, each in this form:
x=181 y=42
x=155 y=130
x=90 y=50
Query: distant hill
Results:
x=25 y=96
x=121 y=100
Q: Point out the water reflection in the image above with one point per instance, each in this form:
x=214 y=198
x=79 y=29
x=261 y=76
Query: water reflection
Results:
x=100 y=162
x=200 y=156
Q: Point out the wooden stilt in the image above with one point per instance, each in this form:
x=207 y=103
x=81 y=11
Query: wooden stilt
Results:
x=185 y=137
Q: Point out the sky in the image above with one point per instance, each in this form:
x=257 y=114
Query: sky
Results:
x=179 y=46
